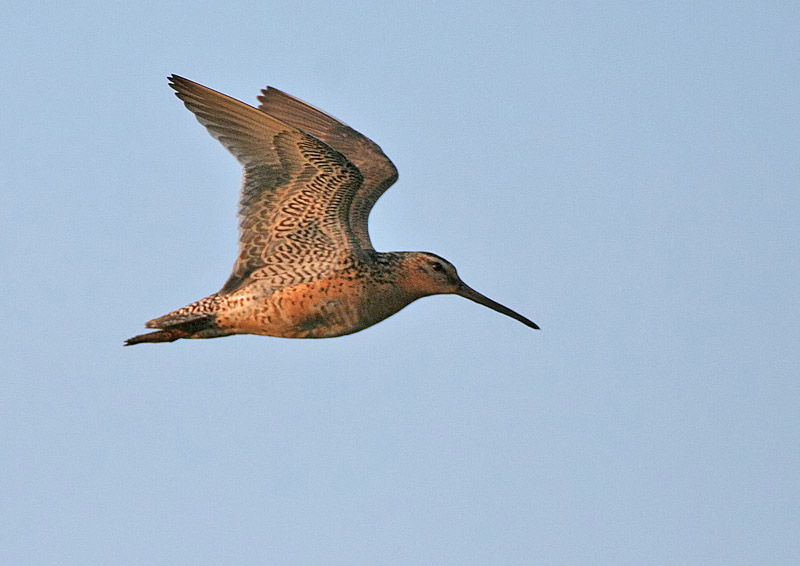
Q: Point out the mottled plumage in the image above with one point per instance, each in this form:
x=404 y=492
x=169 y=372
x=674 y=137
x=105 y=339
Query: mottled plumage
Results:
x=306 y=267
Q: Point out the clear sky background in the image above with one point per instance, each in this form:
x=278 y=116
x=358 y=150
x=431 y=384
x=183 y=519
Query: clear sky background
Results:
x=624 y=174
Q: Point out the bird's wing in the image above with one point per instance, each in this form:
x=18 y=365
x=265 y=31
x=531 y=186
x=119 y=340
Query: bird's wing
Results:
x=378 y=170
x=296 y=191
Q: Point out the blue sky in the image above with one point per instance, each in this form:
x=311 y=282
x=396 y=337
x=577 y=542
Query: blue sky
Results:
x=624 y=174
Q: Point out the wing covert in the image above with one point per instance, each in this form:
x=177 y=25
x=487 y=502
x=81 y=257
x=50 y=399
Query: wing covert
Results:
x=296 y=190
x=378 y=170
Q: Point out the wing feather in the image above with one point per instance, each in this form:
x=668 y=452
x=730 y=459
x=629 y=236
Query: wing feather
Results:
x=378 y=170
x=297 y=191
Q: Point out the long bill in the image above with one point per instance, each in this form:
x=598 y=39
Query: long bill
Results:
x=469 y=293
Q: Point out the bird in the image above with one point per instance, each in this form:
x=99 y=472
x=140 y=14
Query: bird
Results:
x=306 y=267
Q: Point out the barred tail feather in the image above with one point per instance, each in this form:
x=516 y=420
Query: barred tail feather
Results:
x=197 y=311
x=198 y=328
x=197 y=320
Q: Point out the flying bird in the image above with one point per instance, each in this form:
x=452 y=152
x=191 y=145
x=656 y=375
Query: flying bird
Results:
x=306 y=267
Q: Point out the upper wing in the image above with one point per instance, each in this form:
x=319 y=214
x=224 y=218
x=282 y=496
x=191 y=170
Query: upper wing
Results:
x=378 y=170
x=296 y=192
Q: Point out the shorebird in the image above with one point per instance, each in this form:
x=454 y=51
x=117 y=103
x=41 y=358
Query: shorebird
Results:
x=306 y=267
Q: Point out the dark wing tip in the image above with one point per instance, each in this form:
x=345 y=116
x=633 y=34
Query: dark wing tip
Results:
x=176 y=80
x=265 y=93
x=183 y=86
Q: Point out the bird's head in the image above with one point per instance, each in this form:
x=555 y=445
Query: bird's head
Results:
x=425 y=274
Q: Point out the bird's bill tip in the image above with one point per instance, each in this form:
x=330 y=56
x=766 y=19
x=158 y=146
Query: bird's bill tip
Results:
x=469 y=293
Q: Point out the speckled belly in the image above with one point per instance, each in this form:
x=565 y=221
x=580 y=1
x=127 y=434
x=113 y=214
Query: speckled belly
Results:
x=319 y=309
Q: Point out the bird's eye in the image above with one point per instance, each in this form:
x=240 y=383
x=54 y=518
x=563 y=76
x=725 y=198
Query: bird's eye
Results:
x=436 y=266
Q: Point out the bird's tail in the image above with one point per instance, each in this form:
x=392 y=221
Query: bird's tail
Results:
x=197 y=320
x=158 y=336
